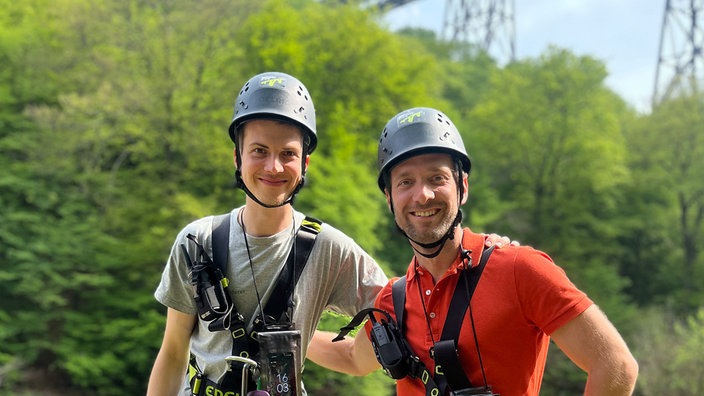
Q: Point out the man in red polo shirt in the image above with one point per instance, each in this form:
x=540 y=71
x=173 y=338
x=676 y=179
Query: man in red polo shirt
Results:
x=520 y=300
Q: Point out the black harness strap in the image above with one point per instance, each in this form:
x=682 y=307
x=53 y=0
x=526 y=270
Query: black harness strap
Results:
x=418 y=370
x=221 y=237
x=282 y=297
x=398 y=293
x=234 y=323
x=446 y=355
x=449 y=371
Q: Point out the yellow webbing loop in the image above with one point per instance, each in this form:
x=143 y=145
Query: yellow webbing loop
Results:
x=194 y=378
x=312 y=224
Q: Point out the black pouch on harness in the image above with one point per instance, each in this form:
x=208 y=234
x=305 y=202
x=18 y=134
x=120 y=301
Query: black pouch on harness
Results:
x=209 y=289
x=387 y=339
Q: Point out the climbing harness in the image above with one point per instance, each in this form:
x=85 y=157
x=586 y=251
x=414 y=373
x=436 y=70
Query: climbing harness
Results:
x=215 y=306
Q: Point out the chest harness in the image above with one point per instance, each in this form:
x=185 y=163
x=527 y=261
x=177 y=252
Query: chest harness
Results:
x=398 y=359
x=215 y=305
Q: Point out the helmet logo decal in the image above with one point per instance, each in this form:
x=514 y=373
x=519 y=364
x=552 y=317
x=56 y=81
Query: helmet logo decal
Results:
x=273 y=81
x=409 y=117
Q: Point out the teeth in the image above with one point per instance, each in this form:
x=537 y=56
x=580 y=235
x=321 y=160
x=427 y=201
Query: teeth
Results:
x=425 y=213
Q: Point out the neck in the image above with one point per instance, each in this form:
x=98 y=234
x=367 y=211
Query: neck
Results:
x=261 y=222
x=437 y=266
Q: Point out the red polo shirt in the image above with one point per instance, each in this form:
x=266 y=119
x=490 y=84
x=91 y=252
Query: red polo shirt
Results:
x=521 y=298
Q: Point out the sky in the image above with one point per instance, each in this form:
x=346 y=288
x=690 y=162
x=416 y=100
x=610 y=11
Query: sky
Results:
x=624 y=34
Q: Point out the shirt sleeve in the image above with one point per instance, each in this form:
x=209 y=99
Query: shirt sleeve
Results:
x=357 y=278
x=548 y=298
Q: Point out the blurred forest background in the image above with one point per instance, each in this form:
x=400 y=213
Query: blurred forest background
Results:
x=113 y=135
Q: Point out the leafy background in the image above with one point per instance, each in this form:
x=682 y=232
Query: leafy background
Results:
x=113 y=118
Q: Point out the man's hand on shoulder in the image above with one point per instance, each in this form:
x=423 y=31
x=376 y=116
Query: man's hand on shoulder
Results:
x=499 y=241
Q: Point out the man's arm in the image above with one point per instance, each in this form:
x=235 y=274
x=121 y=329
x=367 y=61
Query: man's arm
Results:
x=170 y=366
x=594 y=344
x=353 y=356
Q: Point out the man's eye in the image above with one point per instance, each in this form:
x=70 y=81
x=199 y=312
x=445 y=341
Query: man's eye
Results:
x=439 y=179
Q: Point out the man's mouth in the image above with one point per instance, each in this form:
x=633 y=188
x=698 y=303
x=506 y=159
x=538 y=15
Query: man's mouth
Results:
x=425 y=213
x=273 y=182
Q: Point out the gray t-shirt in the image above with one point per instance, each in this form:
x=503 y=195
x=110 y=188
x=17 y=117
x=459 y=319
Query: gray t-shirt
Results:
x=339 y=276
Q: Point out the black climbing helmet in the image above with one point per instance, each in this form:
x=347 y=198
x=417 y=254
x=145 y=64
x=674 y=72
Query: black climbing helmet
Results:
x=417 y=131
x=279 y=96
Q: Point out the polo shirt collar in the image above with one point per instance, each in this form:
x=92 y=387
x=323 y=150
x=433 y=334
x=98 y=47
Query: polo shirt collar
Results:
x=470 y=241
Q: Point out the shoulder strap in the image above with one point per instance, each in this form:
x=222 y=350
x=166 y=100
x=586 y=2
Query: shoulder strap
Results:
x=398 y=294
x=221 y=239
x=434 y=385
x=446 y=349
x=234 y=322
x=463 y=294
x=281 y=298
x=297 y=259
x=285 y=284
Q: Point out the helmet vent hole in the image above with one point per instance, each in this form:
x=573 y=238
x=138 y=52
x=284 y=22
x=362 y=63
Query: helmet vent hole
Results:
x=384 y=134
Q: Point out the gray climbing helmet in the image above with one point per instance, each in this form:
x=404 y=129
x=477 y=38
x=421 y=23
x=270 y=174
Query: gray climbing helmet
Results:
x=275 y=95
x=416 y=131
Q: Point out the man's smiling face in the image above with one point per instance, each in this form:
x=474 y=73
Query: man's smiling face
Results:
x=424 y=196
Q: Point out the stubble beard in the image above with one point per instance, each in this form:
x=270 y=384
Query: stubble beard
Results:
x=430 y=235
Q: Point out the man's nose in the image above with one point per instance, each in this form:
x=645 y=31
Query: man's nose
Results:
x=274 y=165
x=423 y=193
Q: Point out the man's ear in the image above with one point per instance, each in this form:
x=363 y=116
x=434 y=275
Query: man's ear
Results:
x=465 y=189
x=234 y=156
x=388 y=199
x=305 y=168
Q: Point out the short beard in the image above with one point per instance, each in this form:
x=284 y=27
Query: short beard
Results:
x=432 y=235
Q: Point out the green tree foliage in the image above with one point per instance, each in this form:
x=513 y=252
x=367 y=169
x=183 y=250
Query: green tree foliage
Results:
x=669 y=353
x=132 y=145
x=668 y=162
x=107 y=173
x=547 y=139
x=548 y=146
x=34 y=215
x=113 y=136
